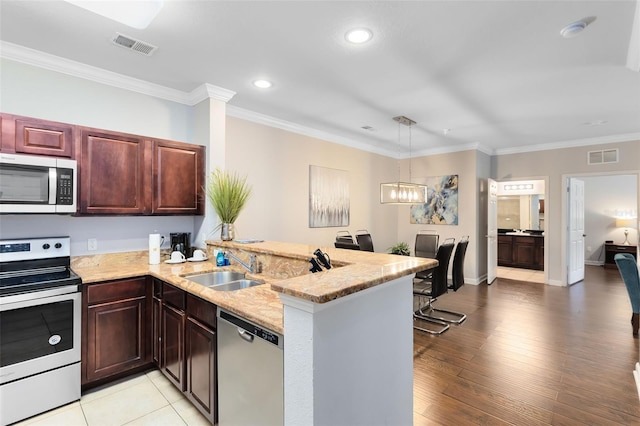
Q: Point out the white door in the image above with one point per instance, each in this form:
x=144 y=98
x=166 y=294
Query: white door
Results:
x=492 y=231
x=576 y=235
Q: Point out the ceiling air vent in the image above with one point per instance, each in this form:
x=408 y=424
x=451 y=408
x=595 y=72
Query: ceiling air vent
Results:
x=604 y=156
x=133 y=44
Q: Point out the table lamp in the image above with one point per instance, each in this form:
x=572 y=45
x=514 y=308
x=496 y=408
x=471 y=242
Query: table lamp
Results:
x=626 y=223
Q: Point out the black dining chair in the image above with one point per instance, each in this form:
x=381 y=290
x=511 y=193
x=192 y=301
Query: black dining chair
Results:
x=363 y=237
x=344 y=240
x=457 y=269
x=431 y=288
x=426 y=246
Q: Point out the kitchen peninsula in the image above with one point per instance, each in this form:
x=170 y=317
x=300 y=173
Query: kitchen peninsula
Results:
x=348 y=336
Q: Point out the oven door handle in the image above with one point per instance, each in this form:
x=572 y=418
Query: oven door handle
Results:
x=9 y=302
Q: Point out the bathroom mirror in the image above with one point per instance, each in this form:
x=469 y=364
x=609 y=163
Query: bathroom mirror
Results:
x=521 y=212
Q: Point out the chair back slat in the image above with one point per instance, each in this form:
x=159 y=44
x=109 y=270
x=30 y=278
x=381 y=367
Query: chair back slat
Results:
x=458 y=263
x=443 y=256
x=363 y=237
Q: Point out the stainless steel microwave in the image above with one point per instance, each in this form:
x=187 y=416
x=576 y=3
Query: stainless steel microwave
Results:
x=34 y=184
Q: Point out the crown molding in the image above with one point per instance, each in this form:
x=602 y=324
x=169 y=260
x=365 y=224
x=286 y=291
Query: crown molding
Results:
x=50 y=62
x=209 y=91
x=14 y=52
x=267 y=120
x=571 y=144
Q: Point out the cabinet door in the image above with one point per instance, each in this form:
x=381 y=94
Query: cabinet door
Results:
x=172 y=343
x=112 y=174
x=178 y=176
x=539 y=260
x=25 y=135
x=116 y=334
x=524 y=251
x=156 y=331
x=505 y=251
x=200 y=356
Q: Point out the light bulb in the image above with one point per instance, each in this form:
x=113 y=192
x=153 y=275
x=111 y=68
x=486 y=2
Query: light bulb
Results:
x=393 y=194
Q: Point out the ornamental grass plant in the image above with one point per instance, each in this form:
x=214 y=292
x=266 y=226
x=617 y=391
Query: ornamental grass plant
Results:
x=228 y=193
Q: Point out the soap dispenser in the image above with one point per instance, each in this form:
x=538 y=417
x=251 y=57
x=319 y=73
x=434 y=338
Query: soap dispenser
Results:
x=220 y=258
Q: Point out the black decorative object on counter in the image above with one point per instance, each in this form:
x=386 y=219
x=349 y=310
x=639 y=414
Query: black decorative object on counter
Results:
x=324 y=258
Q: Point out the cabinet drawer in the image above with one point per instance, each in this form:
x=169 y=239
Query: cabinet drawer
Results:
x=624 y=249
x=203 y=311
x=116 y=290
x=524 y=240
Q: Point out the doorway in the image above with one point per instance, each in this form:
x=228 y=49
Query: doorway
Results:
x=606 y=197
x=521 y=227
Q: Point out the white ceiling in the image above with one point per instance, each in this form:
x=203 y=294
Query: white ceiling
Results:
x=497 y=73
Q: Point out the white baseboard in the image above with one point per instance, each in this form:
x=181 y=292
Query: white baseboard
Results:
x=636 y=376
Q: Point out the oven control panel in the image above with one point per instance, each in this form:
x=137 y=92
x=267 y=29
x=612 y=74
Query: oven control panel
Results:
x=34 y=248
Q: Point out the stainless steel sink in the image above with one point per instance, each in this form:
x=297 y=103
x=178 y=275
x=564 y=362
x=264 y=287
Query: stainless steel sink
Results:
x=216 y=278
x=236 y=285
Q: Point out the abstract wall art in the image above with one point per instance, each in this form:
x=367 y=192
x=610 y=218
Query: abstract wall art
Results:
x=441 y=205
x=328 y=197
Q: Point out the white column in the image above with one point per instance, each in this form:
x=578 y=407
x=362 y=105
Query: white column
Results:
x=350 y=361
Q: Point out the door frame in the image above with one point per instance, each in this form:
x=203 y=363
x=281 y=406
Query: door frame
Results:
x=547 y=216
x=564 y=242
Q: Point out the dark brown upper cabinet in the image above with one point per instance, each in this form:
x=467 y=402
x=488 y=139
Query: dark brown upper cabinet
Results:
x=32 y=136
x=122 y=174
x=177 y=176
x=112 y=173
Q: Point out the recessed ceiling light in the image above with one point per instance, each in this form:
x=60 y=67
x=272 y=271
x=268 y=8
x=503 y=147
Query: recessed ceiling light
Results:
x=358 y=35
x=575 y=28
x=262 y=84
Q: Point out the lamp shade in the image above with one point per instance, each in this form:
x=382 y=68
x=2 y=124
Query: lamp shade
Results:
x=625 y=222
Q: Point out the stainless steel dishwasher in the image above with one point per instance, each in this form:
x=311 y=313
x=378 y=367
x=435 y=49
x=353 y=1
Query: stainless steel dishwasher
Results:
x=250 y=373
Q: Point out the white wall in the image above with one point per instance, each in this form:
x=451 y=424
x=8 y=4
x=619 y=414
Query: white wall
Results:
x=555 y=164
x=36 y=92
x=604 y=195
x=276 y=163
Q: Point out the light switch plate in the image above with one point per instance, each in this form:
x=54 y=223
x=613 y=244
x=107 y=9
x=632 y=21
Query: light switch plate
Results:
x=92 y=244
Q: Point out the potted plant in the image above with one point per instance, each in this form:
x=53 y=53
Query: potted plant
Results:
x=400 y=248
x=228 y=193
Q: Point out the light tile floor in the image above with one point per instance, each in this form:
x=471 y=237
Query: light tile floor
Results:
x=520 y=274
x=145 y=399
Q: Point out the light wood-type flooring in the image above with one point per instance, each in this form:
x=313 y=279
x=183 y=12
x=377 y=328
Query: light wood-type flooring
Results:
x=531 y=354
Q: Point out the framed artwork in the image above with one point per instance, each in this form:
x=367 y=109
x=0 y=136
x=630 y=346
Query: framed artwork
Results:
x=441 y=205
x=329 y=203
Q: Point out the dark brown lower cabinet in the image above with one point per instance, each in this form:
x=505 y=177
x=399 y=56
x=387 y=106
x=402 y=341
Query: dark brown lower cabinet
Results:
x=186 y=345
x=521 y=251
x=116 y=329
x=200 y=354
x=172 y=346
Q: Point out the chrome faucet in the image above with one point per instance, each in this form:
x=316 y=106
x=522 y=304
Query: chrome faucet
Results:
x=253 y=266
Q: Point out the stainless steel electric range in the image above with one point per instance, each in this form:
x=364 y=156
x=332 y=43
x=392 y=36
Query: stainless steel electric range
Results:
x=40 y=310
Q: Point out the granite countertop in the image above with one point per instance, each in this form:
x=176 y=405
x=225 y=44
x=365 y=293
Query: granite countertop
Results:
x=353 y=271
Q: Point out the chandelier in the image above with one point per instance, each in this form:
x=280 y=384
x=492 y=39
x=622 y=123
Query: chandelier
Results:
x=403 y=192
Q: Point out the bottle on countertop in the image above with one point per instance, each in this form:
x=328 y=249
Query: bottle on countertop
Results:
x=220 y=258
x=155 y=242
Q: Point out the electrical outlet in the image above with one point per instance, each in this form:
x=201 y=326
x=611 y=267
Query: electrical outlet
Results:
x=92 y=244
x=588 y=248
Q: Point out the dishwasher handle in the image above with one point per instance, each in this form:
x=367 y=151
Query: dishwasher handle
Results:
x=245 y=335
